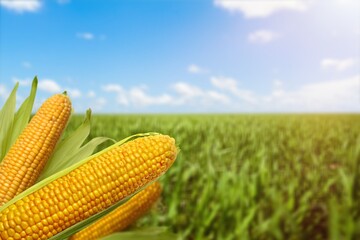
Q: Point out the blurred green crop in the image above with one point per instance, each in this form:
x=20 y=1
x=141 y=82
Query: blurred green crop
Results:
x=254 y=176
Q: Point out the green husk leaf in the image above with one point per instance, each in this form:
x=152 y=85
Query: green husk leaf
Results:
x=23 y=115
x=77 y=227
x=87 y=149
x=7 y=120
x=148 y=233
x=81 y=153
x=69 y=150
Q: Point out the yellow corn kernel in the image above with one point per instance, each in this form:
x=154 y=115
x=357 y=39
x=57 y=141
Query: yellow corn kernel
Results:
x=123 y=216
x=100 y=174
x=26 y=158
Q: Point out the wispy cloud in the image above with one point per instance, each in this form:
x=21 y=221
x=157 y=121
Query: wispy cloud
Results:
x=261 y=8
x=187 y=93
x=334 y=95
x=91 y=94
x=49 y=85
x=85 y=35
x=136 y=96
x=3 y=92
x=139 y=98
x=74 y=92
x=121 y=97
x=231 y=85
x=90 y=36
x=183 y=93
x=337 y=64
x=21 y=6
x=223 y=94
x=262 y=36
x=193 y=68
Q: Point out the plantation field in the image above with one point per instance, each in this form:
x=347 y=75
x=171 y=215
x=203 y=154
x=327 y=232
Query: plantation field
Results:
x=254 y=176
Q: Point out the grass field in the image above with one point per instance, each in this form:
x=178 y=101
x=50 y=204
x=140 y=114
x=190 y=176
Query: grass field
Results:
x=254 y=176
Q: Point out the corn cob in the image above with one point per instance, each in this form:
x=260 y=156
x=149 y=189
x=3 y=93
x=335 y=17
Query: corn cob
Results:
x=26 y=158
x=123 y=216
x=102 y=181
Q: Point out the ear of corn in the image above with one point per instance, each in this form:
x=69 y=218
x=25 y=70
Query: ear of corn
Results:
x=123 y=216
x=27 y=156
x=93 y=186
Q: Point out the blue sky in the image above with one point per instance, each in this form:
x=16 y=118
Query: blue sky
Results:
x=185 y=56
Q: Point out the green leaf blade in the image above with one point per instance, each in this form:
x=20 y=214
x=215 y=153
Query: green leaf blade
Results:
x=23 y=115
x=7 y=120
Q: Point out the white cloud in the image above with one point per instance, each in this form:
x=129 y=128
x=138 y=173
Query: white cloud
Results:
x=85 y=35
x=218 y=97
x=74 y=93
x=186 y=90
x=326 y=96
x=3 y=92
x=225 y=94
x=335 y=95
x=139 y=98
x=231 y=85
x=136 y=96
x=49 y=85
x=262 y=36
x=121 y=96
x=21 y=6
x=189 y=93
x=337 y=64
x=224 y=83
x=183 y=94
x=113 y=88
x=193 y=68
x=91 y=94
x=261 y=8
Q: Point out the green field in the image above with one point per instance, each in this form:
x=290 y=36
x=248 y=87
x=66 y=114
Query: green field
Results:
x=254 y=176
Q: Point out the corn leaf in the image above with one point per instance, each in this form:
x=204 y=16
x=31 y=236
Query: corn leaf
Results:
x=70 y=149
x=149 y=233
x=6 y=122
x=87 y=150
x=81 y=153
x=22 y=116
